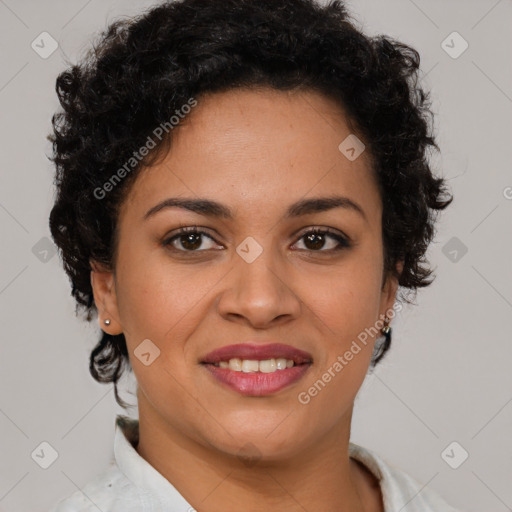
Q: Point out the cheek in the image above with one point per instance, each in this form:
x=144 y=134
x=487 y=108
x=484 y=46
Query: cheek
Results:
x=162 y=301
x=347 y=298
x=161 y=304
x=347 y=315
x=346 y=302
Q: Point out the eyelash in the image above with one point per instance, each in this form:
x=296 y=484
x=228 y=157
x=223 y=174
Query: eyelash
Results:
x=343 y=242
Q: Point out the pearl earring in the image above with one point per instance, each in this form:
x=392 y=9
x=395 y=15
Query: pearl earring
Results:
x=106 y=321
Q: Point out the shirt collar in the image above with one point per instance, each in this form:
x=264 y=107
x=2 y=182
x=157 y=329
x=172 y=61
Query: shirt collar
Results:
x=142 y=474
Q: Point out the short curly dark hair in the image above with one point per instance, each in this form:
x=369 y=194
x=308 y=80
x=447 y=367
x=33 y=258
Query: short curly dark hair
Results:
x=143 y=69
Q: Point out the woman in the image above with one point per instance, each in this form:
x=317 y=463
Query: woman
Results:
x=243 y=186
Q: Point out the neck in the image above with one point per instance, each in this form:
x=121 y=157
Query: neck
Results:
x=322 y=477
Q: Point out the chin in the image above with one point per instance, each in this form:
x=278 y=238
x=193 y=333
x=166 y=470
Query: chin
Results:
x=266 y=444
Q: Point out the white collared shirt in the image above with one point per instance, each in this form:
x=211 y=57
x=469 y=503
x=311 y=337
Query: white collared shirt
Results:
x=131 y=484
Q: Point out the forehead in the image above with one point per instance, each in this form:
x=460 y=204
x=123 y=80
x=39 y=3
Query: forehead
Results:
x=263 y=148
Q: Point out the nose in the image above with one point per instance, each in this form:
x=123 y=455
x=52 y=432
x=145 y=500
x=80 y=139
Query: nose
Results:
x=259 y=293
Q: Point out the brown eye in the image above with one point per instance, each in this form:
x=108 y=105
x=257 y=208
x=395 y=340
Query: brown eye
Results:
x=188 y=240
x=315 y=240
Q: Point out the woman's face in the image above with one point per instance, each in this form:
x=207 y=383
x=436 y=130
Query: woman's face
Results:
x=258 y=277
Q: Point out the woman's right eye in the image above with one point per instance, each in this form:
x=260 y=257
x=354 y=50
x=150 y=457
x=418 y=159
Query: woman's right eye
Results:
x=189 y=238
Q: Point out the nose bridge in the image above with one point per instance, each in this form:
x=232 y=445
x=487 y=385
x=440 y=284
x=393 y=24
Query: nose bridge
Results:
x=259 y=268
x=258 y=289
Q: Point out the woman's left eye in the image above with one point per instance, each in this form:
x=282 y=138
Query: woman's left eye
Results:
x=190 y=239
x=317 y=237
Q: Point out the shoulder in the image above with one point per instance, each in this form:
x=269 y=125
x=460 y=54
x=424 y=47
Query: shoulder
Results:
x=412 y=495
x=110 y=491
x=400 y=491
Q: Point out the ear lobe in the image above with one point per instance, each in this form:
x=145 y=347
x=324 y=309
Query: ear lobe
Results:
x=390 y=289
x=105 y=298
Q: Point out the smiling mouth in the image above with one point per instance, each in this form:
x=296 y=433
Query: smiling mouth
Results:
x=257 y=370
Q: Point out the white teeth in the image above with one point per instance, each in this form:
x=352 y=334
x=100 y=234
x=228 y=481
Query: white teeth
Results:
x=249 y=365
x=252 y=365
x=268 y=366
x=235 y=364
x=281 y=363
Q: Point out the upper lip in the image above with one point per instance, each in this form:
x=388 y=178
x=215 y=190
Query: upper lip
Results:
x=258 y=352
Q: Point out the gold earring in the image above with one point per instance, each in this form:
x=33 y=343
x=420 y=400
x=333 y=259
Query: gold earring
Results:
x=386 y=330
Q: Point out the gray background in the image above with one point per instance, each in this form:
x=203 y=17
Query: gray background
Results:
x=448 y=375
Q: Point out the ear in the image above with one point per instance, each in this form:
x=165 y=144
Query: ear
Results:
x=105 y=298
x=389 y=292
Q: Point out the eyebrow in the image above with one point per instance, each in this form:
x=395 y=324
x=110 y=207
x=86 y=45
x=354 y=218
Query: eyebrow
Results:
x=211 y=208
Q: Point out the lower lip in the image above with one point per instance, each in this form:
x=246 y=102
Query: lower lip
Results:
x=257 y=383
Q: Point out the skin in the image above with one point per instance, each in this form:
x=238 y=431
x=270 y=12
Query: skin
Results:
x=255 y=151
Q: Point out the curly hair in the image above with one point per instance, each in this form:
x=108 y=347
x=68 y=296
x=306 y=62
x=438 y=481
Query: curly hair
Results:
x=142 y=69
